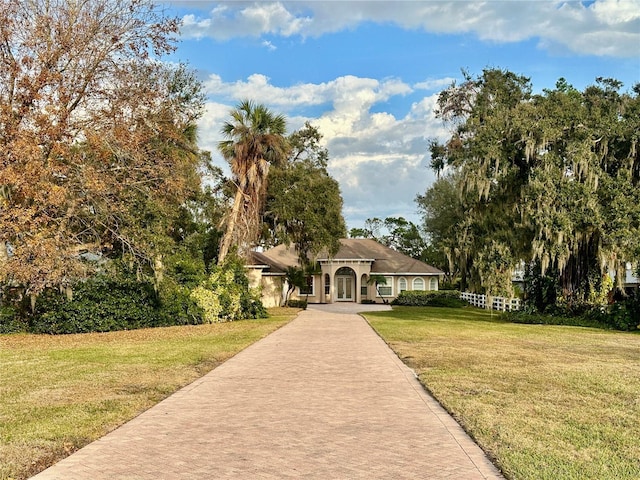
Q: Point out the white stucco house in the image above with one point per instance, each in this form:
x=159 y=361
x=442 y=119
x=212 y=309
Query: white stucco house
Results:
x=344 y=276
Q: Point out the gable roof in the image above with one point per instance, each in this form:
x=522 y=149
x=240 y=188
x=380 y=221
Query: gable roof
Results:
x=383 y=258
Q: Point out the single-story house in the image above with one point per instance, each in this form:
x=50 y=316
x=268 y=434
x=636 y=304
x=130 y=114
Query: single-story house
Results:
x=343 y=277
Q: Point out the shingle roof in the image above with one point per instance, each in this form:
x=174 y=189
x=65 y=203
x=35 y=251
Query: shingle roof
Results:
x=385 y=259
x=258 y=258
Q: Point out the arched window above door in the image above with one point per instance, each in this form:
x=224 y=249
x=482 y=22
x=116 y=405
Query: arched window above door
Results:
x=345 y=271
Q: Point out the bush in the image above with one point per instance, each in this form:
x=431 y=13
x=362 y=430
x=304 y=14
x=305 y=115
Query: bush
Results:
x=297 y=304
x=98 y=305
x=104 y=304
x=226 y=296
x=546 y=319
x=622 y=315
x=177 y=306
x=9 y=321
x=430 y=298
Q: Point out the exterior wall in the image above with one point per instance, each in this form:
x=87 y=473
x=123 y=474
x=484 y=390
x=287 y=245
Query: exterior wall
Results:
x=360 y=268
x=318 y=292
x=395 y=282
x=255 y=277
x=274 y=287
x=272 y=290
x=270 y=286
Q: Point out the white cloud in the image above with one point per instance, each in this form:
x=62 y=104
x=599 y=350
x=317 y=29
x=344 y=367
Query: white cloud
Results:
x=209 y=126
x=434 y=84
x=345 y=90
x=234 y=19
x=605 y=27
x=615 y=12
x=379 y=160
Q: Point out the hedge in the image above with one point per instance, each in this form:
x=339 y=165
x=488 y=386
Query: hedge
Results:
x=101 y=305
x=429 y=298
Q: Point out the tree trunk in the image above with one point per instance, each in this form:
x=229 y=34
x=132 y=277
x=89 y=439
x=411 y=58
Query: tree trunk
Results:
x=158 y=272
x=227 y=238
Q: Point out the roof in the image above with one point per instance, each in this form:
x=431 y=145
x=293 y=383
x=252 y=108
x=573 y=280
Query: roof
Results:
x=383 y=258
x=259 y=259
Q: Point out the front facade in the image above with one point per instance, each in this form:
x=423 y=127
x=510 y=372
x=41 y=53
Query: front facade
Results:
x=348 y=276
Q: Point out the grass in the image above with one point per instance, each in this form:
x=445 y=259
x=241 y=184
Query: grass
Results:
x=58 y=393
x=545 y=402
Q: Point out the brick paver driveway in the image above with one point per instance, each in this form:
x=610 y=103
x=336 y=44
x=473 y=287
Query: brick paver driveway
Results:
x=321 y=398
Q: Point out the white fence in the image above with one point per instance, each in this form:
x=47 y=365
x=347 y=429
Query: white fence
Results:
x=498 y=303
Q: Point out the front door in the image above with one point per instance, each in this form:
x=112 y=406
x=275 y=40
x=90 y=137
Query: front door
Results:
x=345 y=288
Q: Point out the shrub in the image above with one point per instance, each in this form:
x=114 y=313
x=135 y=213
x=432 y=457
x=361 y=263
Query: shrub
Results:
x=98 y=305
x=430 y=298
x=622 y=315
x=546 y=319
x=297 y=304
x=209 y=301
x=9 y=321
x=177 y=306
x=226 y=296
x=103 y=304
x=186 y=270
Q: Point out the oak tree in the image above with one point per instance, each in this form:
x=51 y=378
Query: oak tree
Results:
x=551 y=179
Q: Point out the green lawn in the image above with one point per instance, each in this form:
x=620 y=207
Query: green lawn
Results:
x=546 y=402
x=58 y=393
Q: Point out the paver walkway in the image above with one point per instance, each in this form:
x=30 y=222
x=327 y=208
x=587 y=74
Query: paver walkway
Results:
x=321 y=398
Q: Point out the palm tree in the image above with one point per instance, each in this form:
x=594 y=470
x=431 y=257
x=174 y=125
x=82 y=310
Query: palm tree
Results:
x=375 y=279
x=255 y=140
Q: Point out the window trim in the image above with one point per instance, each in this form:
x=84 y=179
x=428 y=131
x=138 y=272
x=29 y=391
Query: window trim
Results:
x=388 y=285
x=312 y=285
x=413 y=284
x=406 y=285
x=433 y=283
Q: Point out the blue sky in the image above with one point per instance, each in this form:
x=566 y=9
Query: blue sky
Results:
x=367 y=73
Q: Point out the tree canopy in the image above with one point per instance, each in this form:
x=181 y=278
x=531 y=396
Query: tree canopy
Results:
x=97 y=138
x=304 y=204
x=395 y=232
x=442 y=214
x=549 y=178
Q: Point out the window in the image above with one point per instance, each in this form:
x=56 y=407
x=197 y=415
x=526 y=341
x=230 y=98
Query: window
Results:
x=402 y=284
x=386 y=290
x=327 y=284
x=433 y=284
x=418 y=283
x=308 y=288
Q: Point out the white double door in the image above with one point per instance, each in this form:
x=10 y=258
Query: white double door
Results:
x=344 y=285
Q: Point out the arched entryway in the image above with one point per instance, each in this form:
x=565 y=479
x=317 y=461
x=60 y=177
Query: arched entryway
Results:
x=345 y=285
